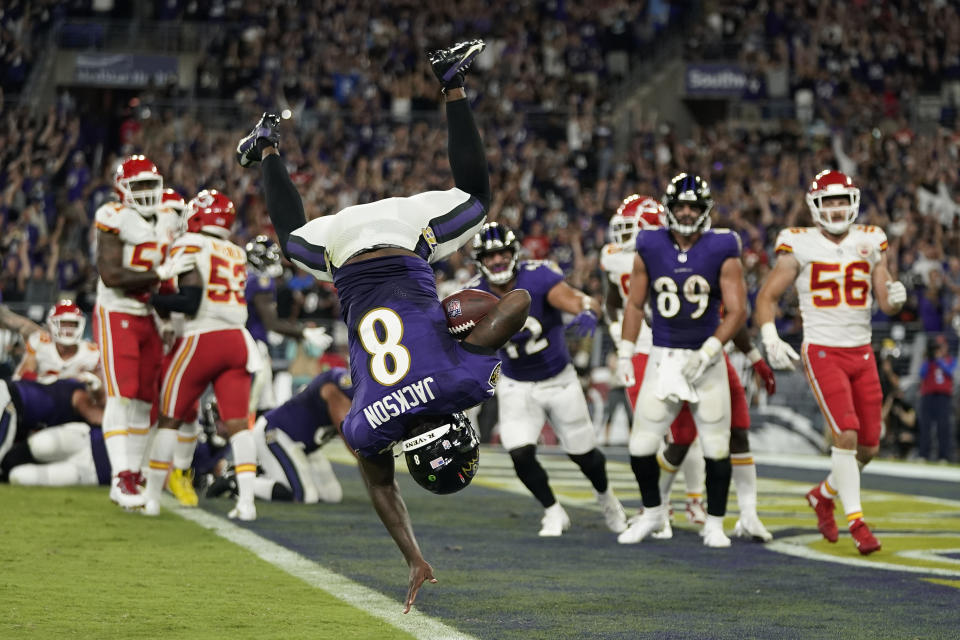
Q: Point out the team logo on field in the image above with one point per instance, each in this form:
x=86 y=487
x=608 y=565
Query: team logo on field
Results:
x=494 y=376
x=453 y=309
x=429 y=236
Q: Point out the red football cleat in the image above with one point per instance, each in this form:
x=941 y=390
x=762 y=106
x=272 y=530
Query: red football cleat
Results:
x=824 y=508
x=866 y=543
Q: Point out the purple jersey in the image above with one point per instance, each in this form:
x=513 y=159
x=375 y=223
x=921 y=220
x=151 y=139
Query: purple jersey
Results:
x=684 y=289
x=45 y=405
x=403 y=360
x=101 y=461
x=302 y=415
x=539 y=350
x=258 y=284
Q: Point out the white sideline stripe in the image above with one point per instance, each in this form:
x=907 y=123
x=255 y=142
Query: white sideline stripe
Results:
x=367 y=600
x=797 y=546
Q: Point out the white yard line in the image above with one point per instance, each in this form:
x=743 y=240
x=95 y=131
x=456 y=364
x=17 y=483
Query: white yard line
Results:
x=798 y=546
x=356 y=595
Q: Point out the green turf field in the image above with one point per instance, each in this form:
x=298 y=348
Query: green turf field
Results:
x=74 y=565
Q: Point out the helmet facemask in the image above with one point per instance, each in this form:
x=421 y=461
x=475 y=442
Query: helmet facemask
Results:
x=66 y=325
x=145 y=194
x=494 y=238
x=834 y=218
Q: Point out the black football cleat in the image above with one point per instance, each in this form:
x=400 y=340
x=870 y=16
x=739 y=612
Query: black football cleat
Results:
x=266 y=133
x=225 y=484
x=451 y=64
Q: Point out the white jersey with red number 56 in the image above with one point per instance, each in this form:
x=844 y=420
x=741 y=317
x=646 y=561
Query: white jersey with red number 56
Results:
x=617 y=262
x=142 y=251
x=835 y=282
x=223 y=268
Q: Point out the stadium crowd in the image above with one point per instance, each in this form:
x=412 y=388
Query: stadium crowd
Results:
x=543 y=94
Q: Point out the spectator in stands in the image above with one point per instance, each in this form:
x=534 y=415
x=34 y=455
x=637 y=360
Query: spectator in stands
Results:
x=936 y=402
x=899 y=416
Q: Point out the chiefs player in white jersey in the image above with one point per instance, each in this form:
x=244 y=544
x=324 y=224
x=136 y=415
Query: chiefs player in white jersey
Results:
x=684 y=450
x=214 y=349
x=60 y=351
x=171 y=224
x=130 y=260
x=838 y=268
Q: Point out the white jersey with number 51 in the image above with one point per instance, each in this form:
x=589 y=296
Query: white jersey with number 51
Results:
x=835 y=282
x=617 y=262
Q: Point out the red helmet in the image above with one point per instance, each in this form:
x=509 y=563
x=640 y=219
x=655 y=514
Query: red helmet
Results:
x=211 y=212
x=830 y=184
x=66 y=322
x=139 y=184
x=173 y=200
x=634 y=213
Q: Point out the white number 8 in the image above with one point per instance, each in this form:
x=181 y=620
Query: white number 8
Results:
x=391 y=326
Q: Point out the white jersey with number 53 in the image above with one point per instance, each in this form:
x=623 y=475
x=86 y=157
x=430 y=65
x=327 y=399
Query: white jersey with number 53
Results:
x=835 y=282
x=223 y=268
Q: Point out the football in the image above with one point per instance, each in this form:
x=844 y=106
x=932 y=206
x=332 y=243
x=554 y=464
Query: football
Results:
x=466 y=308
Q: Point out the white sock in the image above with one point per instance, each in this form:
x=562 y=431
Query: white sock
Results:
x=668 y=473
x=186 y=445
x=115 y=434
x=138 y=431
x=245 y=464
x=160 y=454
x=745 y=482
x=694 y=470
x=847 y=475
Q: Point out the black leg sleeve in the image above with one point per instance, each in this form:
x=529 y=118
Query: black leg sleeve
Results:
x=647 y=472
x=718 y=485
x=468 y=159
x=283 y=200
x=593 y=464
x=532 y=475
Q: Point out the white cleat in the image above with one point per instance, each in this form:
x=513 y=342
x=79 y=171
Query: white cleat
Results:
x=554 y=522
x=652 y=519
x=665 y=533
x=151 y=508
x=243 y=511
x=751 y=527
x=713 y=535
x=696 y=514
x=613 y=513
x=129 y=499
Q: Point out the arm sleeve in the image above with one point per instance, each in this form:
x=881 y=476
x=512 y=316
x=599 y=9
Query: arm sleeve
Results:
x=283 y=200
x=187 y=300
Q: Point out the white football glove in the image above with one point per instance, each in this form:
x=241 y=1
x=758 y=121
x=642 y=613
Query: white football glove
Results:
x=615 y=332
x=698 y=361
x=625 y=352
x=318 y=337
x=174 y=266
x=780 y=355
x=90 y=379
x=896 y=293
